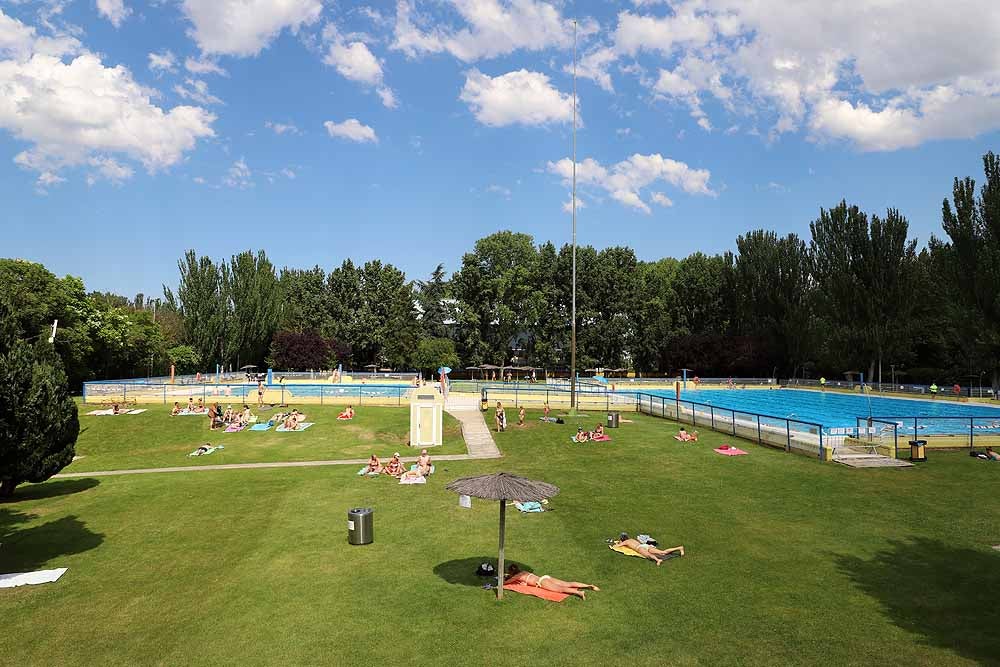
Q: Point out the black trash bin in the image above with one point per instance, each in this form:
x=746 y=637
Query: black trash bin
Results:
x=918 y=450
x=360 y=525
x=614 y=419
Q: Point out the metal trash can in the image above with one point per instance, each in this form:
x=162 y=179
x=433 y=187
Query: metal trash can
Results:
x=918 y=450
x=614 y=419
x=360 y=525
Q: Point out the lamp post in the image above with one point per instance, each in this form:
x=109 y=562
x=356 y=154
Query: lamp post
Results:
x=572 y=363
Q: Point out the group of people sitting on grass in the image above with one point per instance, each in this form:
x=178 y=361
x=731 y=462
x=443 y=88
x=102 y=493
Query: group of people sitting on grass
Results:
x=988 y=455
x=395 y=468
x=597 y=435
x=290 y=421
x=191 y=408
x=219 y=418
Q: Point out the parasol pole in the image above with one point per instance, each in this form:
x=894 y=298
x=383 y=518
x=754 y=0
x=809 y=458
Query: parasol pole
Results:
x=500 y=570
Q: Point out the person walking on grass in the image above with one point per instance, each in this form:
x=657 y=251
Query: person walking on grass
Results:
x=260 y=394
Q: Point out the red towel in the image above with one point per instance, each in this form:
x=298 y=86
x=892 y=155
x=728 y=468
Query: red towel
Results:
x=536 y=591
x=729 y=450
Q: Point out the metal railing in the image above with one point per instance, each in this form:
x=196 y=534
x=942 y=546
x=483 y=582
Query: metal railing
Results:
x=967 y=391
x=923 y=427
x=554 y=396
x=321 y=394
x=793 y=435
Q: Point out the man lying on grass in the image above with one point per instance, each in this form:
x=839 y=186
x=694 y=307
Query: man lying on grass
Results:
x=647 y=551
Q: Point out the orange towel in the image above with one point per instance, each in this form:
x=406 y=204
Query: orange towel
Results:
x=536 y=591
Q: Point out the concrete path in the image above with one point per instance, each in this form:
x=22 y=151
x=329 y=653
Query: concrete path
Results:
x=478 y=441
x=478 y=438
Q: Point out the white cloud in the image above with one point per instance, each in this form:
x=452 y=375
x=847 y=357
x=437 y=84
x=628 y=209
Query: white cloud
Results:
x=356 y=62
x=499 y=190
x=199 y=180
x=196 y=90
x=625 y=180
x=162 y=62
x=288 y=173
x=661 y=199
x=113 y=10
x=489 y=28
x=246 y=27
x=881 y=74
x=108 y=169
x=239 y=175
x=70 y=111
x=516 y=97
x=203 y=65
x=351 y=129
x=282 y=128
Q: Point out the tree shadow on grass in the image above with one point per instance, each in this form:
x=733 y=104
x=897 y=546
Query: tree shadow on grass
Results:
x=946 y=594
x=463 y=571
x=51 y=489
x=31 y=548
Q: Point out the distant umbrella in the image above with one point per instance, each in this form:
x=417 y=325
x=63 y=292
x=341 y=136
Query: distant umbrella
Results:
x=247 y=367
x=502 y=486
x=444 y=369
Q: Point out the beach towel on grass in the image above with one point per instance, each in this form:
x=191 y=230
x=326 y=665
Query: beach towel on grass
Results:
x=364 y=470
x=414 y=467
x=525 y=589
x=234 y=428
x=601 y=438
x=729 y=450
x=205 y=452
x=97 y=413
x=530 y=506
x=136 y=412
x=342 y=418
x=261 y=427
x=412 y=480
x=303 y=426
x=628 y=551
x=191 y=413
x=30 y=578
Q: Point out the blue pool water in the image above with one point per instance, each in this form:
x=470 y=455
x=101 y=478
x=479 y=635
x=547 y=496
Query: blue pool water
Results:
x=349 y=390
x=837 y=410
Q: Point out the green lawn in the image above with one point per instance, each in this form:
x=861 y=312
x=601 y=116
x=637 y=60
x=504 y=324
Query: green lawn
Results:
x=790 y=561
x=154 y=439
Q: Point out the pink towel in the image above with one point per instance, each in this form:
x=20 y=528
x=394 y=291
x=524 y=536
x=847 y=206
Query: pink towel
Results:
x=729 y=450
x=536 y=591
x=601 y=438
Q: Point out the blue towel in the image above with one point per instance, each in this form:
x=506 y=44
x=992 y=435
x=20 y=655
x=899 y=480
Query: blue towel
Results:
x=530 y=506
x=260 y=427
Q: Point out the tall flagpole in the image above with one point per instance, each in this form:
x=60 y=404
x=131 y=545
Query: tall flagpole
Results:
x=572 y=363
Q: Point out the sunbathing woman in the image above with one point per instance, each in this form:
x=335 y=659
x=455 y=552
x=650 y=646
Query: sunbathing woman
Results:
x=990 y=454
x=500 y=417
x=200 y=407
x=684 y=436
x=549 y=583
x=290 y=424
x=227 y=416
x=374 y=466
x=581 y=435
x=177 y=409
x=394 y=467
x=346 y=414
x=648 y=551
x=520 y=416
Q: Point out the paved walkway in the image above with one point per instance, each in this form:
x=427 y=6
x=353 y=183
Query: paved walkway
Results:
x=478 y=441
x=478 y=438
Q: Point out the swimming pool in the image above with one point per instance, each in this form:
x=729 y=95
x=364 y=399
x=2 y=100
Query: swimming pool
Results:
x=835 y=410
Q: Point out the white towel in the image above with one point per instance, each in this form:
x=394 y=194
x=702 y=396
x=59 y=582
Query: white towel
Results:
x=30 y=578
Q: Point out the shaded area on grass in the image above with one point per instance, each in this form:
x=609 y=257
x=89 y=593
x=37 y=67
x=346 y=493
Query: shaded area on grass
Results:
x=31 y=548
x=463 y=571
x=944 y=593
x=51 y=489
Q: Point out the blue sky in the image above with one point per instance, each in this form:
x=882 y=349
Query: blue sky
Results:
x=131 y=131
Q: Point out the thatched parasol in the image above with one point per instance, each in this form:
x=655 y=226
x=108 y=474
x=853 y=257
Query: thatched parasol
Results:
x=502 y=486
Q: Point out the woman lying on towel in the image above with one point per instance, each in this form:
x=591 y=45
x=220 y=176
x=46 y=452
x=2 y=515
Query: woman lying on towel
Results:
x=290 y=423
x=346 y=414
x=597 y=435
x=549 y=583
x=647 y=551
x=684 y=436
x=394 y=467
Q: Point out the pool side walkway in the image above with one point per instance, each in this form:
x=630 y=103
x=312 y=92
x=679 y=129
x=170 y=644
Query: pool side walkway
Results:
x=478 y=441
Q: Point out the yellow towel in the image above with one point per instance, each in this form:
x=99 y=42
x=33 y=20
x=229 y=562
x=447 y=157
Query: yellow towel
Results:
x=628 y=551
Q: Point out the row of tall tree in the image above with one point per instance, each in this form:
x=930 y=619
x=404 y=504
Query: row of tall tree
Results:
x=857 y=294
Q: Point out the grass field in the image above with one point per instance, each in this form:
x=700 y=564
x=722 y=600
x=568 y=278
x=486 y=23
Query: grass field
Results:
x=790 y=561
x=154 y=439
